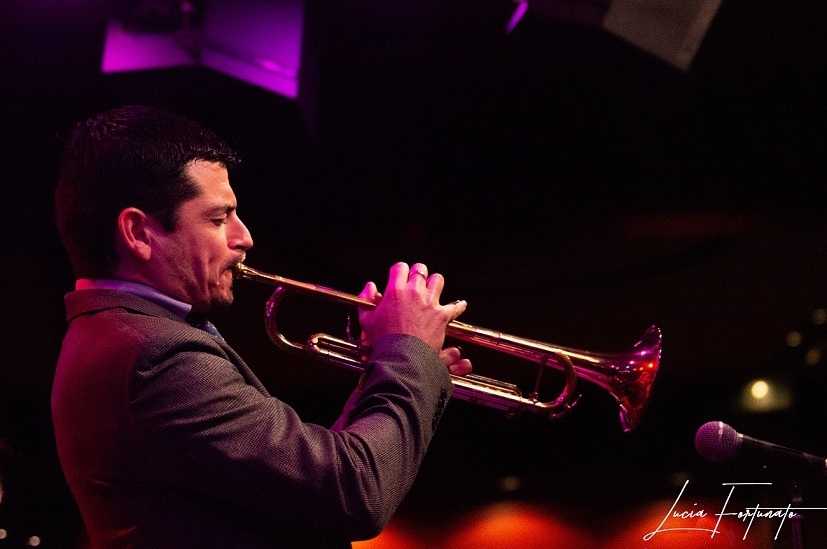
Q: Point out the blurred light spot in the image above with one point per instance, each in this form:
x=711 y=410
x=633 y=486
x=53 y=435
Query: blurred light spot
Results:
x=678 y=479
x=33 y=541
x=762 y=395
x=819 y=316
x=510 y=483
x=759 y=389
x=522 y=525
x=794 y=339
x=813 y=356
x=394 y=536
x=3 y=533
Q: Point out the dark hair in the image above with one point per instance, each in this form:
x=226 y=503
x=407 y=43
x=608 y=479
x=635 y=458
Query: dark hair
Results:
x=132 y=156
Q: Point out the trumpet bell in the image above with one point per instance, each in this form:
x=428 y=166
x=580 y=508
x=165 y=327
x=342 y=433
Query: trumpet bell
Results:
x=627 y=376
x=632 y=377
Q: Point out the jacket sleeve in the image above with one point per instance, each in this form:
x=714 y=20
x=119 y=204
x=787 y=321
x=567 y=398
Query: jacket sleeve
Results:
x=211 y=432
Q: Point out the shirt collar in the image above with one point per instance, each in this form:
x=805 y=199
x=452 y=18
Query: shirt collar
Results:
x=141 y=290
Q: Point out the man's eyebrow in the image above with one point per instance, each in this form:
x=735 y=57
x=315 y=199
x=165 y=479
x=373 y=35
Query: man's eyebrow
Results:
x=221 y=209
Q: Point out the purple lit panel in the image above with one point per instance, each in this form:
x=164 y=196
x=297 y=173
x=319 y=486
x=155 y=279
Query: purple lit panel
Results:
x=255 y=41
x=131 y=51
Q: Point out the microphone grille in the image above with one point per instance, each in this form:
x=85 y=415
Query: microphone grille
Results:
x=716 y=441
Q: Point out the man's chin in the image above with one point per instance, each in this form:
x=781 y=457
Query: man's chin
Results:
x=222 y=301
x=222 y=295
x=213 y=302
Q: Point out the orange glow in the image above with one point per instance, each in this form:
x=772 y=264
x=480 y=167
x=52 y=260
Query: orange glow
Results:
x=517 y=525
x=527 y=526
x=392 y=537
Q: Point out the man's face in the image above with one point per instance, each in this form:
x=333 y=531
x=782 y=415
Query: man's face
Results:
x=197 y=257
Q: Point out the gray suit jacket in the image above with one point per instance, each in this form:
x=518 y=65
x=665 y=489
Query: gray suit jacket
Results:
x=167 y=439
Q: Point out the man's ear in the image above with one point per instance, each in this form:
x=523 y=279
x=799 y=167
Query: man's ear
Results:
x=135 y=230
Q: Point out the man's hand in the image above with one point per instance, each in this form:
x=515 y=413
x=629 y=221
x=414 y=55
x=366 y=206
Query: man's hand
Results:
x=457 y=365
x=410 y=305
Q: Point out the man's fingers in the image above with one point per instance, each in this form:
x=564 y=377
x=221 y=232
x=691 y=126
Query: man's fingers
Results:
x=418 y=270
x=370 y=293
x=461 y=367
x=458 y=307
x=457 y=365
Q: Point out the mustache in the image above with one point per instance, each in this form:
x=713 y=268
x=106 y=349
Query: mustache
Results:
x=232 y=264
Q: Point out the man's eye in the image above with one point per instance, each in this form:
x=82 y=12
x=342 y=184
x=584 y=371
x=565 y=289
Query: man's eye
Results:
x=219 y=220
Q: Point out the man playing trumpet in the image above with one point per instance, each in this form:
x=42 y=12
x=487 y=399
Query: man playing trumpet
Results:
x=165 y=436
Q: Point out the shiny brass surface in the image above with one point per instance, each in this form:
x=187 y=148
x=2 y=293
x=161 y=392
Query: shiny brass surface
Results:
x=628 y=376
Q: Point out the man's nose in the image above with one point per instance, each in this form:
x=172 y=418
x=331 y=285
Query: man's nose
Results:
x=243 y=240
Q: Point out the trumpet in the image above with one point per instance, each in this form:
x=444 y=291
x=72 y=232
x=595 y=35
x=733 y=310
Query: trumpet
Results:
x=627 y=376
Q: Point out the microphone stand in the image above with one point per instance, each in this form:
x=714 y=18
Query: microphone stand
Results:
x=796 y=521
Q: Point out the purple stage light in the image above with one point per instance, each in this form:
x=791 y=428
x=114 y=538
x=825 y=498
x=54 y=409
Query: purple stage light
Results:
x=256 y=41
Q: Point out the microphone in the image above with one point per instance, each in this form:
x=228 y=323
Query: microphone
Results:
x=716 y=441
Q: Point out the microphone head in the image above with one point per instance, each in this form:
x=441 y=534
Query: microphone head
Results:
x=716 y=441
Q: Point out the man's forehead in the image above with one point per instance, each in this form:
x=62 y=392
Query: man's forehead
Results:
x=198 y=169
x=210 y=178
x=214 y=198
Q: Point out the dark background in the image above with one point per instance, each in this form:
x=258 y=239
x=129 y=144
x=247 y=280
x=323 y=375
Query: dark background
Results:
x=572 y=187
